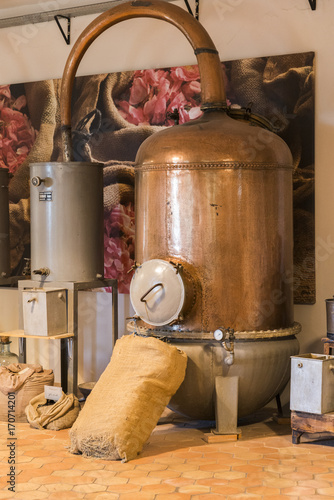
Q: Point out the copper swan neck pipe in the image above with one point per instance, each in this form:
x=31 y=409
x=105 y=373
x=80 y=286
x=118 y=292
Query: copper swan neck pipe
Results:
x=213 y=92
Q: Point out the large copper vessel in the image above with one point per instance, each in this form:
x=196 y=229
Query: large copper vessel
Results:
x=224 y=211
x=214 y=202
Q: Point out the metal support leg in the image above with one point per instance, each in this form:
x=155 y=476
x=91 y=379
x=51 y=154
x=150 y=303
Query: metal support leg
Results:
x=281 y=417
x=114 y=313
x=279 y=405
x=75 y=342
x=64 y=347
x=226 y=405
x=22 y=350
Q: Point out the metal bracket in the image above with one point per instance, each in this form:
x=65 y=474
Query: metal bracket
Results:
x=313 y=4
x=67 y=37
x=177 y=266
x=190 y=10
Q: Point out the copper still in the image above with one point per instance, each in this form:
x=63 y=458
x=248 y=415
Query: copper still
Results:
x=4 y=223
x=213 y=234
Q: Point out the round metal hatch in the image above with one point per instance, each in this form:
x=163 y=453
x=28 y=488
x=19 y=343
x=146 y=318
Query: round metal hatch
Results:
x=157 y=292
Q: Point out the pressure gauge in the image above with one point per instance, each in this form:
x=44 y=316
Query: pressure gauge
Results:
x=219 y=334
x=157 y=292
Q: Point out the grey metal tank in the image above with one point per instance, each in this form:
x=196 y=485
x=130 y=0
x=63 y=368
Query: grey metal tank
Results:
x=66 y=203
x=263 y=368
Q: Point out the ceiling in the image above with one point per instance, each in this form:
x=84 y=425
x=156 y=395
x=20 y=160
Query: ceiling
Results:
x=29 y=6
x=19 y=12
x=54 y=4
x=11 y=4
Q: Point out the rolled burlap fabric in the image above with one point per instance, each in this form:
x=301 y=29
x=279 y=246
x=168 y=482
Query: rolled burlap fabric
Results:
x=60 y=415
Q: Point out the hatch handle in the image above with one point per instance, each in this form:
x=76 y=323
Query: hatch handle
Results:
x=150 y=290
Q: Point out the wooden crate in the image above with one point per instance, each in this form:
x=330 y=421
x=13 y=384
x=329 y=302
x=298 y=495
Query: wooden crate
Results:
x=310 y=423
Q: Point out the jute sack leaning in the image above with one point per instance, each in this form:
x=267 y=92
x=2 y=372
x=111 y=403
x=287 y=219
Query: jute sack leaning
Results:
x=128 y=399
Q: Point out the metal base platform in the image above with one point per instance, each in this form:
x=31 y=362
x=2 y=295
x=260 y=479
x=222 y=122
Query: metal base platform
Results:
x=68 y=341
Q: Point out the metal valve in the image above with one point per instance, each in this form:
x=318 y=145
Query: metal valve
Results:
x=36 y=181
x=43 y=271
x=226 y=337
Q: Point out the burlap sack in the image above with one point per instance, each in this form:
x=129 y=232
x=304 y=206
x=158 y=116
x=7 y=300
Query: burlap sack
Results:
x=60 y=415
x=128 y=399
x=24 y=386
x=118 y=180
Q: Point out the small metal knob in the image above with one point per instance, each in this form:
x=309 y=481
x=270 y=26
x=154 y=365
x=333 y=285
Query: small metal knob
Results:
x=36 y=181
x=300 y=365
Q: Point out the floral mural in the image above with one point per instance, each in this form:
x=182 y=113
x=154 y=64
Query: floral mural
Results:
x=119 y=245
x=112 y=114
x=155 y=94
x=16 y=132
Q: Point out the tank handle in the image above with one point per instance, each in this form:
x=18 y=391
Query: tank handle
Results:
x=213 y=92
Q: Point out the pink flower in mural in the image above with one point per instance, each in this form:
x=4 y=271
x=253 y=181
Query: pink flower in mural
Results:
x=154 y=94
x=4 y=93
x=139 y=91
x=130 y=113
x=119 y=245
x=16 y=132
x=185 y=73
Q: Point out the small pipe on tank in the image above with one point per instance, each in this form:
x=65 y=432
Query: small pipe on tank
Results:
x=226 y=337
x=43 y=271
x=229 y=360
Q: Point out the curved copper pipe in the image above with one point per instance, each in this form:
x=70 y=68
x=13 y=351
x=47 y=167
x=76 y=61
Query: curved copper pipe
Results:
x=213 y=92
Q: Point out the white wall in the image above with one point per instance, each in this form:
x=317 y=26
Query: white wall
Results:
x=240 y=29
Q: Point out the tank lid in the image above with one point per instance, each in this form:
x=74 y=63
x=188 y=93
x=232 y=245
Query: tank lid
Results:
x=157 y=292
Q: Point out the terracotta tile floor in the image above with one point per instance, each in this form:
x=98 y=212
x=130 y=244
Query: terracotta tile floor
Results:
x=175 y=464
